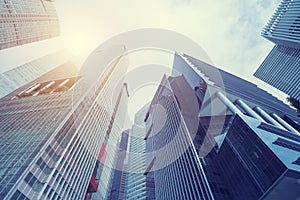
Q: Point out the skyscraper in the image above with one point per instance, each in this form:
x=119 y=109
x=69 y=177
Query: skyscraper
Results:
x=173 y=160
x=139 y=185
x=59 y=133
x=281 y=67
x=216 y=136
x=21 y=75
x=117 y=189
x=24 y=22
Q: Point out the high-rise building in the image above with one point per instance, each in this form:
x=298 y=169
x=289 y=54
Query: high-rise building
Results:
x=60 y=132
x=173 y=160
x=232 y=86
x=216 y=136
x=21 y=75
x=117 y=189
x=283 y=26
x=281 y=67
x=206 y=134
x=29 y=21
x=139 y=184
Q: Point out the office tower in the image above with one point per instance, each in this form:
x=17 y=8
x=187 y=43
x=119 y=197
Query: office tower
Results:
x=117 y=190
x=21 y=75
x=139 y=184
x=281 y=67
x=59 y=132
x=216 y=136
x=283 y=26
x=24 y=22
x=177 y=171
x=232 y=86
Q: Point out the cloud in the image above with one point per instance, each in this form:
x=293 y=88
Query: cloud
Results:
x=228 y=30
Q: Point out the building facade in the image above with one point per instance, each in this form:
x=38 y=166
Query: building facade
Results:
x=24 y=22
x=206 y=134
x=173 y=160
x=283 y=26
x=245 y=144
x=21 y=75
x=59 y=133
x=118 y=185
x=281 y=67
x=139 y=184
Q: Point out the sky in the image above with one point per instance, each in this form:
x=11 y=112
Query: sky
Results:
x=228 y=30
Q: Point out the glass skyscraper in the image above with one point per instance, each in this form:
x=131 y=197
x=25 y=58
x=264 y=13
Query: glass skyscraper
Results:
x=139 y=185
x=117 y=189
x=29 y=21
x=281 y=67
x=59 y=133
x=178 y=173
x=21 y=75
x=206 y=134
x=213 y=135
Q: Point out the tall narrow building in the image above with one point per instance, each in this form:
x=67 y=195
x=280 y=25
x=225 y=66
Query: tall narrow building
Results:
x=118 y=185
x=172 y=158
x=24 y=22
x=139 y=184
x=281 y=67
x=59 y=133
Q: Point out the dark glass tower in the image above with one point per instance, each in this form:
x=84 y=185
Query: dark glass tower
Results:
x=216 y=136
x=117 y=190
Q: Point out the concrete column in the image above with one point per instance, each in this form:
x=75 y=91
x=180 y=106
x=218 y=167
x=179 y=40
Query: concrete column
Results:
x=267 y=117
x=228 y=103
x=248 y=110
x=285 y=124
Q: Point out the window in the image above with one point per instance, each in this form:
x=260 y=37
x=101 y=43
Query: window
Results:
x=32 y=181
x=19 y=195
x=49 y=87
x=52 y=154
x=37 y=186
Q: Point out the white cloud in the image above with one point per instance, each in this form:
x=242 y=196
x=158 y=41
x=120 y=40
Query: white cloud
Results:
x=228 y=30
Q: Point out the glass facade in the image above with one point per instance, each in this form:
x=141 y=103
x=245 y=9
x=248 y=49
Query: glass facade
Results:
x=233 y=87
x=29 y=21
x=139 y=184
x=21 y=75
x=117 y=190
x=238 y=153
x=178 y=172
x=281 y=67
x=201 y=137
x=61 y=144
x=244 y=167
x=281 y=70
x=283 y=26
